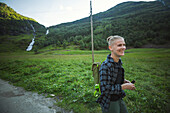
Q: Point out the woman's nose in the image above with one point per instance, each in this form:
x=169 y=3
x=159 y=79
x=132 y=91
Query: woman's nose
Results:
x=124 y=47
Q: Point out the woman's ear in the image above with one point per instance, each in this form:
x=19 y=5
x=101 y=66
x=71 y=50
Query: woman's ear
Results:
x=110 y=48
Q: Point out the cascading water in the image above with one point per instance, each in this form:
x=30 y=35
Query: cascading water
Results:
x=31 y=45
x=29 y=48
x=47 y=32
x=163 y=2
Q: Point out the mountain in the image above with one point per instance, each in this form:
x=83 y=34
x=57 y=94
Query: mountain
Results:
x=17 y=31
x=140 y=23
x=13 y=23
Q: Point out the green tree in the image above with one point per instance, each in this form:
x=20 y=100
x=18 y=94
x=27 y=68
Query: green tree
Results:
x=82 y=45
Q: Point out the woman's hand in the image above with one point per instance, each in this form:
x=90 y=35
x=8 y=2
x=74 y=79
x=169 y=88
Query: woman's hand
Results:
x=129 y=86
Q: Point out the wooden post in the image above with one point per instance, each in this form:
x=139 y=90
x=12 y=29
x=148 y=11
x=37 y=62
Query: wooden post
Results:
x=91 y=31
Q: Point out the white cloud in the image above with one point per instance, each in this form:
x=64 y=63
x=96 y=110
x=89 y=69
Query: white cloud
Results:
x=65 y=8
x=61 y=7
x=69 y=8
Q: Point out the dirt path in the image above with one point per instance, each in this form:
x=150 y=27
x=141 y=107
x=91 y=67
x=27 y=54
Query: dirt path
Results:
x=17 y=100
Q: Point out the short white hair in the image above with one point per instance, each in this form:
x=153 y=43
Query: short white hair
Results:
x=111 y=39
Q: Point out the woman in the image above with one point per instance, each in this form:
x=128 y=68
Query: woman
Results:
x=112 y=78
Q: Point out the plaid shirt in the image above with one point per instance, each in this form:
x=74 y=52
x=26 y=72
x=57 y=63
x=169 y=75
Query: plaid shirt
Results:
x=108 y=74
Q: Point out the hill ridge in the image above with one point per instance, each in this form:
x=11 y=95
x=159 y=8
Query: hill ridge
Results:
x=13 y=23
x=140 y=23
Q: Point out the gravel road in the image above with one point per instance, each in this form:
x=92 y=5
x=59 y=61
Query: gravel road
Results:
x=17 y=100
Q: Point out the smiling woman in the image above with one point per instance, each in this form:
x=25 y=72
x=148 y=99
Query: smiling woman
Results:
x=112 y=78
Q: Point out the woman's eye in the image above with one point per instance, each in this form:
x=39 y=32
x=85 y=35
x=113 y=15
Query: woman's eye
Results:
x=119 y=45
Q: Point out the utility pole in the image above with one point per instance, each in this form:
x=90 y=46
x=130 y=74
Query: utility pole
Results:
x=92 y=31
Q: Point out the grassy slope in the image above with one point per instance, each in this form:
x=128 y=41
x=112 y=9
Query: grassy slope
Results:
x=69 y=77
x=17 y=43
x=14 y=43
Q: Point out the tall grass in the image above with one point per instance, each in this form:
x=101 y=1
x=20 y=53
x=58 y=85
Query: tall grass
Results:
x=69 y=77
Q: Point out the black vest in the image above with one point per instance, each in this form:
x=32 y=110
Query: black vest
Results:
x=119 y=80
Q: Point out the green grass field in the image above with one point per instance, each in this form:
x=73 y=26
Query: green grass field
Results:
x=68 y=75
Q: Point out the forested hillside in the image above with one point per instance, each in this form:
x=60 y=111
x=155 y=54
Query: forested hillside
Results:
x=12 y=23
x=140 y=23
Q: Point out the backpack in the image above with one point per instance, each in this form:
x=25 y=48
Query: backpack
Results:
x=96 y=76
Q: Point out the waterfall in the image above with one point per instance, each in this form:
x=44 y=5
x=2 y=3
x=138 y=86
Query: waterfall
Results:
x=31 y=45
x=33 y=28
x=29 y=48
x=47 y=32
x=163 y=2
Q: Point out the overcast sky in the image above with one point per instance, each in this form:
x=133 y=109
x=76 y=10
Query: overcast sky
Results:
x=53 y=12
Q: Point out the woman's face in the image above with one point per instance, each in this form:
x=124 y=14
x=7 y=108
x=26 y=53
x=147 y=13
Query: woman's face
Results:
x=118 y=47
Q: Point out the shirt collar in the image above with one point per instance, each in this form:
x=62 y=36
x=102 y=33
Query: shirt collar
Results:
x=110 y=59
